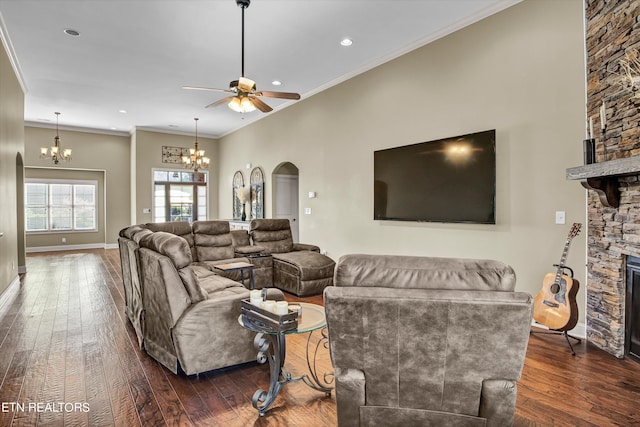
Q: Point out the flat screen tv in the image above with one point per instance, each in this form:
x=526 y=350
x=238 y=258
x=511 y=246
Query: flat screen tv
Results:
x=448 y=180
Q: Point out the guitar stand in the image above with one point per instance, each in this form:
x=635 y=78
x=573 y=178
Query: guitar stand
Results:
x=559 y=332
x=566 y=336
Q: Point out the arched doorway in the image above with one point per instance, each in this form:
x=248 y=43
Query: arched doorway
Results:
x=22 y=252
x=285 y=195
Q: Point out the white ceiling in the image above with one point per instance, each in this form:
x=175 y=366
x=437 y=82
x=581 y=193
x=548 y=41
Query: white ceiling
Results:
x=135 y=55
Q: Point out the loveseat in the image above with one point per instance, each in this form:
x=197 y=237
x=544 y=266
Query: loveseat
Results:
x=418 y=341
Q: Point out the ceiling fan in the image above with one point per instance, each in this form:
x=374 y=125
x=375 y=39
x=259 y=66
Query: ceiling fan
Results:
x=244 y=97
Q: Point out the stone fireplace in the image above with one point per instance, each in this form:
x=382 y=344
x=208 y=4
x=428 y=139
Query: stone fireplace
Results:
x=632 y=310
x=613 y=211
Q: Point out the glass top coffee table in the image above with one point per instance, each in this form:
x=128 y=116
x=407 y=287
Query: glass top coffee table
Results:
x=272 y=347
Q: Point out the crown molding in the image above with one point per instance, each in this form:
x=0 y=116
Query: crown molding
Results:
x=76 y=128
x=13 y=59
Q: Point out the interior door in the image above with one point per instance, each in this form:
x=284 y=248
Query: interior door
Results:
x=286 y=201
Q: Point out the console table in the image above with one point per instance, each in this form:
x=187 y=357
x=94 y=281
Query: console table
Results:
x=272 y=347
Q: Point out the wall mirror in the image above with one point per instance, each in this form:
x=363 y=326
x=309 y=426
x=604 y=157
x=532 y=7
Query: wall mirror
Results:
x=238 y=185
x=256 y=181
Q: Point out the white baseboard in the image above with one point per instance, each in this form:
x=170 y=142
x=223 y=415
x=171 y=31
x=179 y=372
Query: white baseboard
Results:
x=111 y=246
x=580 y=331
x=9 y=295
x=67 y=247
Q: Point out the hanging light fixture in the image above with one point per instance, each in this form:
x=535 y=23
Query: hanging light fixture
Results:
x=196 y=159
x=56 y=153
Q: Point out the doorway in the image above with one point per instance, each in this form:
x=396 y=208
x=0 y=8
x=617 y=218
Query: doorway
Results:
x=22 y=251
x=285 y=195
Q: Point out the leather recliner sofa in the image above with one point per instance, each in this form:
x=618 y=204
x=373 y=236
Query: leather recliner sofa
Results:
x=419 y=341
x=190 y=313
x=198 y=333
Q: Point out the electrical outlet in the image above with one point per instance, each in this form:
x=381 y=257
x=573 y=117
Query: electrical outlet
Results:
x=64 y=240
x=560 y=217
x=307 y=211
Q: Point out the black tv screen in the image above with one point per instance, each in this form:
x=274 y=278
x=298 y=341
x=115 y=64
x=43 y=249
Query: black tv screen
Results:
x=448 y=180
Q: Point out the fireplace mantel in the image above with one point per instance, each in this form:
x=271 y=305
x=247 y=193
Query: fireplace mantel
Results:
x=603 y=177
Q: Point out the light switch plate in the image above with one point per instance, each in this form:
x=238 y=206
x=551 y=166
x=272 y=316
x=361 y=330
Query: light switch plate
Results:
x=560 y=217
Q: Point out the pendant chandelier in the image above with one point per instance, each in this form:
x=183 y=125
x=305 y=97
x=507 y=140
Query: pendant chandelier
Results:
x=196 y=159
x=56 y=153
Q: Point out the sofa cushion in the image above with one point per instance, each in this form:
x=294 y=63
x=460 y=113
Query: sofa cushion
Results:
x=213 y=285
x=272 y=234
x=179 y=228
x=240 y=238
x=212 y=240
x=174 y=247
x=424 y=272
x=192 y=283
x=128 y=232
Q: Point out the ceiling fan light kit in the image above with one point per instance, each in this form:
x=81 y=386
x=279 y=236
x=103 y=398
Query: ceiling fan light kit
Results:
x=244 y=97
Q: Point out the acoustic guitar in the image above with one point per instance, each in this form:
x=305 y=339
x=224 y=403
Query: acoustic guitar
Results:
x=555 y=305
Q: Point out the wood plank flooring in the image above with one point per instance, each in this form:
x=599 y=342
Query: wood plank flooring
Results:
x=69 y=357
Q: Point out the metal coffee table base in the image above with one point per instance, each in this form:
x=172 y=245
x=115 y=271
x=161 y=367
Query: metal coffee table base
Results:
x=272 y=348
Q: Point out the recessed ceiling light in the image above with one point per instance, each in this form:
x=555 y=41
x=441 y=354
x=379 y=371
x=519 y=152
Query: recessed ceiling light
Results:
x=44 y=120
x=112 y=128
x=122 y=111
x=71 y=32
x=276 y=82
x=346 y=42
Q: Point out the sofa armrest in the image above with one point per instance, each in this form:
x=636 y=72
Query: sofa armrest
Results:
x=208 y=335
x=305 y=247
x=350 y=396
x=247 y=250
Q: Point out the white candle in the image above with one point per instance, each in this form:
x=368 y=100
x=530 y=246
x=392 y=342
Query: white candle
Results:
x=270 y=306
x=603 y=116
x=256 y=297
x=590 y=127
x=282 y=307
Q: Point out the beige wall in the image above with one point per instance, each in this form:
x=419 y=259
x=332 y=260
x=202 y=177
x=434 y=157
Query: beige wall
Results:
x=11 y=151
x=91 y=151
x=520 y=72
x=95 y=238
x=148 y=155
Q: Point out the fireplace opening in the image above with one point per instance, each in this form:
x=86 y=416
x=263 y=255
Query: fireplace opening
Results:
x=632 y=310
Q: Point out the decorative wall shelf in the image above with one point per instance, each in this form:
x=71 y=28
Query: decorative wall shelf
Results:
x=603 y=177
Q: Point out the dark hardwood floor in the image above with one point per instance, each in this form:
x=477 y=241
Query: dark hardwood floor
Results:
x=68 y=356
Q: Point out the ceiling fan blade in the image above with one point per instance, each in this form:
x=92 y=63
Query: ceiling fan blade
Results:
x=210 y=89
x=220 y=102
x=245 y=84
x=260 y=105
x=283 y=95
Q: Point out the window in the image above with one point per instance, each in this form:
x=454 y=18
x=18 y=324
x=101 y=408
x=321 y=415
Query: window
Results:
x=60 y=205
x=179 y=196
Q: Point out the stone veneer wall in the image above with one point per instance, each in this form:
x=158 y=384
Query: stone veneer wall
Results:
x=613 y=28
